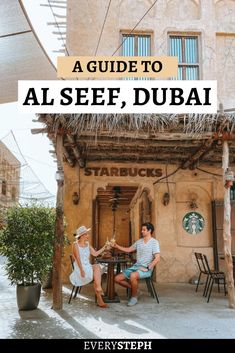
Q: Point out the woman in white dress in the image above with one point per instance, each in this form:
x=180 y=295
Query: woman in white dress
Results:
x=84 y=272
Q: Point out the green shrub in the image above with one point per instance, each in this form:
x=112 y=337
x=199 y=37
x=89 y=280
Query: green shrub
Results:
x=27 y=242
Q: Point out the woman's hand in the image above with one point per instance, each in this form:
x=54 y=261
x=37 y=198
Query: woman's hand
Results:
x=107 y=245
x=112 y=242
x=82 y=273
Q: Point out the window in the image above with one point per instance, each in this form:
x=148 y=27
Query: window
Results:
x=136 y=45
x=4 y=187
x=186 y=48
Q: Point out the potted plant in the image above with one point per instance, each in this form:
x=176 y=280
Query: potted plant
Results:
x=27 y=242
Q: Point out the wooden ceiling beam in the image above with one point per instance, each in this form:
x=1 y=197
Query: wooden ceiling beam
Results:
x=76 y=151
x=168 y=136
x=69 y=158
x=90 y=141
x=207 y=146
x=140 y=148
x=134 y=159
x=122 y=154
x=105 y=196
x=193 y=159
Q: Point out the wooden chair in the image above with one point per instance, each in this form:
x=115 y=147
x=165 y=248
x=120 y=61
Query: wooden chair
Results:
x=75 y=289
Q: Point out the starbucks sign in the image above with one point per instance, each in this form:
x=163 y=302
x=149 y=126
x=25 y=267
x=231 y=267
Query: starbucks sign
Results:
x=193 y=223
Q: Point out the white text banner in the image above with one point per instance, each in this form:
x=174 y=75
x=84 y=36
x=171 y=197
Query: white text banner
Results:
x=117 y=96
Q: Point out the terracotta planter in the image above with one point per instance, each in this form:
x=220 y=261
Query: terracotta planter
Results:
x=28 y=296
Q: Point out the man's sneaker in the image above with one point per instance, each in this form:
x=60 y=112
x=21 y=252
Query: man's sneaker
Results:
x=132 y=301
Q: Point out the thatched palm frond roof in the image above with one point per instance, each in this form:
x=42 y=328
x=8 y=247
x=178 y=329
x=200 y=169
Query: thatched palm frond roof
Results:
x=115 y=123
x=184 y=140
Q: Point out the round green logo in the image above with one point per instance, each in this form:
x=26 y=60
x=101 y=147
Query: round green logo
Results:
x=193 y=223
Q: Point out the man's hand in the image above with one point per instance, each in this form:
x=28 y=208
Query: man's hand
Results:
x=107 y=245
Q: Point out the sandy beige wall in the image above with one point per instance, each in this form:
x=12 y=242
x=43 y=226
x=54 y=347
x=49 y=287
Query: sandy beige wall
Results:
x=177 y=246
x=212 y=20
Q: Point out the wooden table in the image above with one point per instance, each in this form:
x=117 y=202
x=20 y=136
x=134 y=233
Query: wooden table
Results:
x=110 y=295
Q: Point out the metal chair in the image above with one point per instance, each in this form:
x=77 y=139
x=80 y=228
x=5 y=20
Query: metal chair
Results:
x=150 y=286
x=214 y=275
x=75 y=289
x=202 y=270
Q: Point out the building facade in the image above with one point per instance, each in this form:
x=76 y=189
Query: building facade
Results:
x=9 y=177
x=171 y=178
x=200 y=33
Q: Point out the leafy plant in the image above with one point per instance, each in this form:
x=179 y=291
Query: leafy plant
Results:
x=2 y=216
x=2 y=220
x=27 y=242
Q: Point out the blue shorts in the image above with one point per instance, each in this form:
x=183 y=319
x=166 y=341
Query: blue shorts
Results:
x=135 y=268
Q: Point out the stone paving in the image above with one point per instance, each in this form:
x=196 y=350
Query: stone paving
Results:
x=182 y=313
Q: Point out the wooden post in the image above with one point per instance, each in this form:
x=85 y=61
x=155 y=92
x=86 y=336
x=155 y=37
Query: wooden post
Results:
x=227 y=231
x=59 y=230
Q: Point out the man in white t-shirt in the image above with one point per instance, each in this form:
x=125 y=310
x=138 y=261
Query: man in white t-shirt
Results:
x=148 y=255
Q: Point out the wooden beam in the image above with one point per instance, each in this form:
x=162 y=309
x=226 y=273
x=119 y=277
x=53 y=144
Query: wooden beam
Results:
x=192 y=160
x=137 y=152
x=141 y=148
x=68 y=157
x=133 y=159
x=132 y=155
x=59 y=231
x=227 y=231
x=107 y=140
x=76 y=151
x=164 y=135
x=39 y=131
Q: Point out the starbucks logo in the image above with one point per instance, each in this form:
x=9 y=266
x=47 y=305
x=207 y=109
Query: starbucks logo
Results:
x=193 y=223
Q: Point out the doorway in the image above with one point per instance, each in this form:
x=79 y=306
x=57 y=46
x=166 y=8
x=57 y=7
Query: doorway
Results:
x=111 y=214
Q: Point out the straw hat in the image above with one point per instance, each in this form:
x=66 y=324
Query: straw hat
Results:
x=81 y=230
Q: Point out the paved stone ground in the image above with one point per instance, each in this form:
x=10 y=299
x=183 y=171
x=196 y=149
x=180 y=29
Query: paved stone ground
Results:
x=182 y=313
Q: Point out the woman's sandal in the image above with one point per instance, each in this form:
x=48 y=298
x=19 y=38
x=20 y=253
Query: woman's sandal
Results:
x=100 y=293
